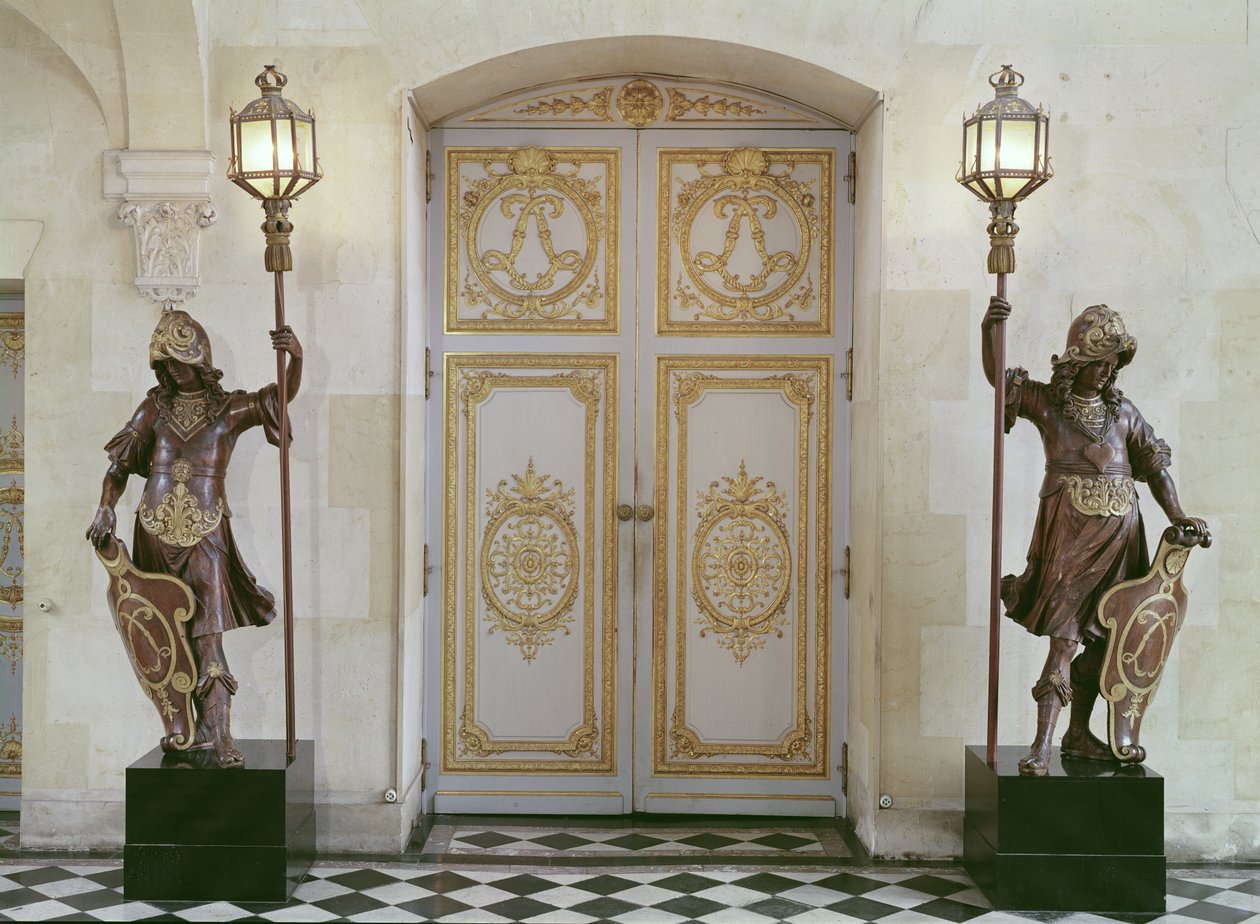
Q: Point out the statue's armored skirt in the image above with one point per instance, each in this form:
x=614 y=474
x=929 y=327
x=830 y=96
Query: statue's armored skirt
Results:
x=1088 y=535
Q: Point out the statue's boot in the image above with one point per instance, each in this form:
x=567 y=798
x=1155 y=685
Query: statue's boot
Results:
x=1051 y=694
x=1078 y=740
x=214 y=708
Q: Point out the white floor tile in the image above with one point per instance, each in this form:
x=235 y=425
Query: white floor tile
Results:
x=813 y=895
x=646 y=895
x=396 y=893
x=39 y=911
x=562 y=917
x=649 y=916
x=390 y=915
x=1240 y=900
x=299 y=913
x=735 y=916
x=213 y=911
x=130 y=911
x=898 y=896
x=316 y=890
x=731 y=895
x=62 y=887
x=564 y=896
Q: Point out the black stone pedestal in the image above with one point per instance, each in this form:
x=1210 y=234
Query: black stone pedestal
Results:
x=1087 y=837
x=199 y=833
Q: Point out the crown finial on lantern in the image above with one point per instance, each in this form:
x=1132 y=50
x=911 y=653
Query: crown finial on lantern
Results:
x=269 y=71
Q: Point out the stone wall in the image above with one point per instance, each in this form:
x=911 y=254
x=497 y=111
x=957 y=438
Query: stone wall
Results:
x=1155 y=210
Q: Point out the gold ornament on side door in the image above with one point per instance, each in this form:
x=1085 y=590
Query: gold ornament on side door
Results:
x=646 y=512
x=625 y=512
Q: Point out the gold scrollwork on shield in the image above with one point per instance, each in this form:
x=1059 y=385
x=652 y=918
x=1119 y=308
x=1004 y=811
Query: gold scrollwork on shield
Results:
x=532 y=239
x=773 y=212
x=529 y=560
x=741 y=562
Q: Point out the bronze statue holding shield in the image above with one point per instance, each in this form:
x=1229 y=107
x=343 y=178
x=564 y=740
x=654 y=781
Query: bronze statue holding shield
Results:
x=180 y=439
x=1088 y=538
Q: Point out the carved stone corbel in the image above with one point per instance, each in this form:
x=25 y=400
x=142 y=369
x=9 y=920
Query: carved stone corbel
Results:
x=166 y=202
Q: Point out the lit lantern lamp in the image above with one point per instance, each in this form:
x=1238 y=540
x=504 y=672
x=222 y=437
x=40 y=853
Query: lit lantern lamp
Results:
x=1006 y=156
x=274 y=159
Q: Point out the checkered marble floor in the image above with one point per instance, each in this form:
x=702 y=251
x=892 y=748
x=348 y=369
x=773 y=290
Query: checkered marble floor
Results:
x=415 y=892
x=644 y=842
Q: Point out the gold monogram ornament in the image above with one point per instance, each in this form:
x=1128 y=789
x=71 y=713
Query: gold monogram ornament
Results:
x=529 y=560
x=741 y=562
x=547 y=209
x=178 y=521
x=743 y=238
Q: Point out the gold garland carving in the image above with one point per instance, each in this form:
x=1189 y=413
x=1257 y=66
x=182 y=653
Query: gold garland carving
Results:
x=740 y=563
x=11 y=747
x=529 y=560
x=598 y=104
x=12 y=521
x=12 y=449
x=177 y=520
x=13 y=340
x=680 y=105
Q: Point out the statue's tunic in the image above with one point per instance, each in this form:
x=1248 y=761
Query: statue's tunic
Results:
x=1088 y=534
x=182 y=445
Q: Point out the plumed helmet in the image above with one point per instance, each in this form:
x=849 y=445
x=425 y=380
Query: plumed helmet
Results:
x=1096 y=333
x=178 y=337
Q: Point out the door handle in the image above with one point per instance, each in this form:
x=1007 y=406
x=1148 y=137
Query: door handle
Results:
x=625 y=512
x=645 y=512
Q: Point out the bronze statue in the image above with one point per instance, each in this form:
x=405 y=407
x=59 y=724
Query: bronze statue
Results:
x=180 y=440
x=1088 y=536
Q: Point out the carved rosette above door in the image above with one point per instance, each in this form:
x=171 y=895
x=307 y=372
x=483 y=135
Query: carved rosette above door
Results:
x=529 y=563
x=531 y=242
x=741 y=566
x=744 y=241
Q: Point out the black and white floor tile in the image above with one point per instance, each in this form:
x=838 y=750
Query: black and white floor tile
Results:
x=640 y=841
x=550 y=895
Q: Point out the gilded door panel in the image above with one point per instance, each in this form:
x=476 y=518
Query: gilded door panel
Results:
x=529 y=563
x=741 y=566
x=745 y=241
x=12 y=550
x=532 y=239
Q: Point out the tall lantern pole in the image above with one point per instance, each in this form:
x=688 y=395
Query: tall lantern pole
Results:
x=1005 y=157
x=274 y=159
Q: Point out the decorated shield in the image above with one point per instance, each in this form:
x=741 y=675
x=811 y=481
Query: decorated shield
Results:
x=150 y=611
x=1142 y=618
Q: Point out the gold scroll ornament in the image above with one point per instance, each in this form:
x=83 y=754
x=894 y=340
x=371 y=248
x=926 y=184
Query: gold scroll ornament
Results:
x=1142 y=618
x=1100 y=496
x=151 y=612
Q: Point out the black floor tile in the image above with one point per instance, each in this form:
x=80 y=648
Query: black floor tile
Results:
x=1251 y=887
x=864 y=908
x=949 y=910
x=434 y=906
x=932 y=885
x=605 y=885
x=443 y=881
x=16 y=898
x=110 y=878
x=518 y=909
x=686 y=883
x=523 y=884
x=708 y=841
x=770 y=883
x=605 y=907
x=351 y=903
x=1217 y=914
x=689 y=906
x=635 y=841
x=561 y=840
x=781 y=841
x=778 y=908
x=361 y=879
x=90 y=901
x=39 y=875
x=850 y=884
x=1186 y=889
x=486 y=839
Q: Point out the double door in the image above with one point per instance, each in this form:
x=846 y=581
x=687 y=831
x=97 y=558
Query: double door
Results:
x=638 y=493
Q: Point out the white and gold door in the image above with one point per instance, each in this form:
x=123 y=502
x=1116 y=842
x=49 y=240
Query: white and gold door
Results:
x=640 y=470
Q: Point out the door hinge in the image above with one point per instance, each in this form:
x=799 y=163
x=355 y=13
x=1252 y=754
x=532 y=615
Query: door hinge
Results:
x=428 y=569
x=428 y=372
x=847 y=375
x=845 y=570
x=851 y=177
x=428 y=179
x=844 y=769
